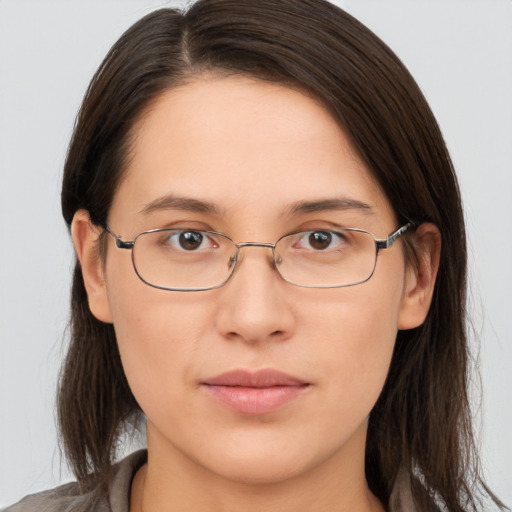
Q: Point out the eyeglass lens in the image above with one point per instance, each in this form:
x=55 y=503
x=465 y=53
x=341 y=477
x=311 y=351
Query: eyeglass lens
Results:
x=194 y=260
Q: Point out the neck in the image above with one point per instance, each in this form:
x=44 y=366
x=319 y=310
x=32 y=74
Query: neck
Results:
x=171 y=482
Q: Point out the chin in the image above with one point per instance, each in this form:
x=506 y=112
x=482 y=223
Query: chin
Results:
x=259 y=471
x=265 y=463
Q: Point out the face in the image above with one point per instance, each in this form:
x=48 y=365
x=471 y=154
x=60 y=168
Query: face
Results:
x=251 y=151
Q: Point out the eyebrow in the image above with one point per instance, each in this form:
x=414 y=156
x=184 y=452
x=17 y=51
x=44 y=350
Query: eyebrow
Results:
x=172 y=202
x=321 y=205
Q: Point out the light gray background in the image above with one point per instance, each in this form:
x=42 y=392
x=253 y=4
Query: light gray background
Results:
x=459 y=51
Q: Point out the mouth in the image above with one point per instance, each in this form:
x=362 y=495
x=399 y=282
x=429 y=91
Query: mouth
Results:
x=254 y=393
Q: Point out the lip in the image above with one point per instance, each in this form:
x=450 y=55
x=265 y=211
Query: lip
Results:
x=254 y=393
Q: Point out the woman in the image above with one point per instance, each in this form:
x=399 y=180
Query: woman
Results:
x=266 y=221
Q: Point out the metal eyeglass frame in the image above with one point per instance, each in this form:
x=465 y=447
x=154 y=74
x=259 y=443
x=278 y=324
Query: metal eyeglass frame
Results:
x=380 y=244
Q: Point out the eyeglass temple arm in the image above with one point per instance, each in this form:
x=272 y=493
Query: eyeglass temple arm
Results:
x=383 y=243
x=386 y=243
x=120 y=243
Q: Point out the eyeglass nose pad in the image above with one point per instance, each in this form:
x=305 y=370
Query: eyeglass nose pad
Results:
x=231 y=262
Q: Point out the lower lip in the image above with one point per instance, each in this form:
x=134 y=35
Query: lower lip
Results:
x=248 y=400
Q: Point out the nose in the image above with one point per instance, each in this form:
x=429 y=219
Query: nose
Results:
x=255 y=304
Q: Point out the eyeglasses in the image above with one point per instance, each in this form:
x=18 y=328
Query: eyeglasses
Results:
x=197 y=260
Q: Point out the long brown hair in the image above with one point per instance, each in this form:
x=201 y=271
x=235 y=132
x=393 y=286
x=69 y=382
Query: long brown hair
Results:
x=420 y=427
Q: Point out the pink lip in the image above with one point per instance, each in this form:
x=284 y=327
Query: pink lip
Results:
x=254 y=393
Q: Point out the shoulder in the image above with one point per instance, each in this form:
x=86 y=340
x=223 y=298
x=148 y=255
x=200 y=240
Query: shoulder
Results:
x=69 y=498
x=61 y=499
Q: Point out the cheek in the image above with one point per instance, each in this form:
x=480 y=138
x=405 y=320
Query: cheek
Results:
x=158 y=334
x=354 y=342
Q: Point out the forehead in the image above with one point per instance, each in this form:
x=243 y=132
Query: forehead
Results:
x=246 y=147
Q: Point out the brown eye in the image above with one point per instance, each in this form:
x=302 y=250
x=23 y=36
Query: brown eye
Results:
x=320 y=240
x=190 y=240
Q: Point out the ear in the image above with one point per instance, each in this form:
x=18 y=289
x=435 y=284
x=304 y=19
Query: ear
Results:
x=420 y=277
x=86 y=239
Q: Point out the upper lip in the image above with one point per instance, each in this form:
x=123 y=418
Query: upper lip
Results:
x=258 y=379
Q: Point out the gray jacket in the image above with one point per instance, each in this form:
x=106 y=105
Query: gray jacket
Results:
x=67 y=498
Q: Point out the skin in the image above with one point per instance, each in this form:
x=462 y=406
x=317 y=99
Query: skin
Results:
x=252 y=149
